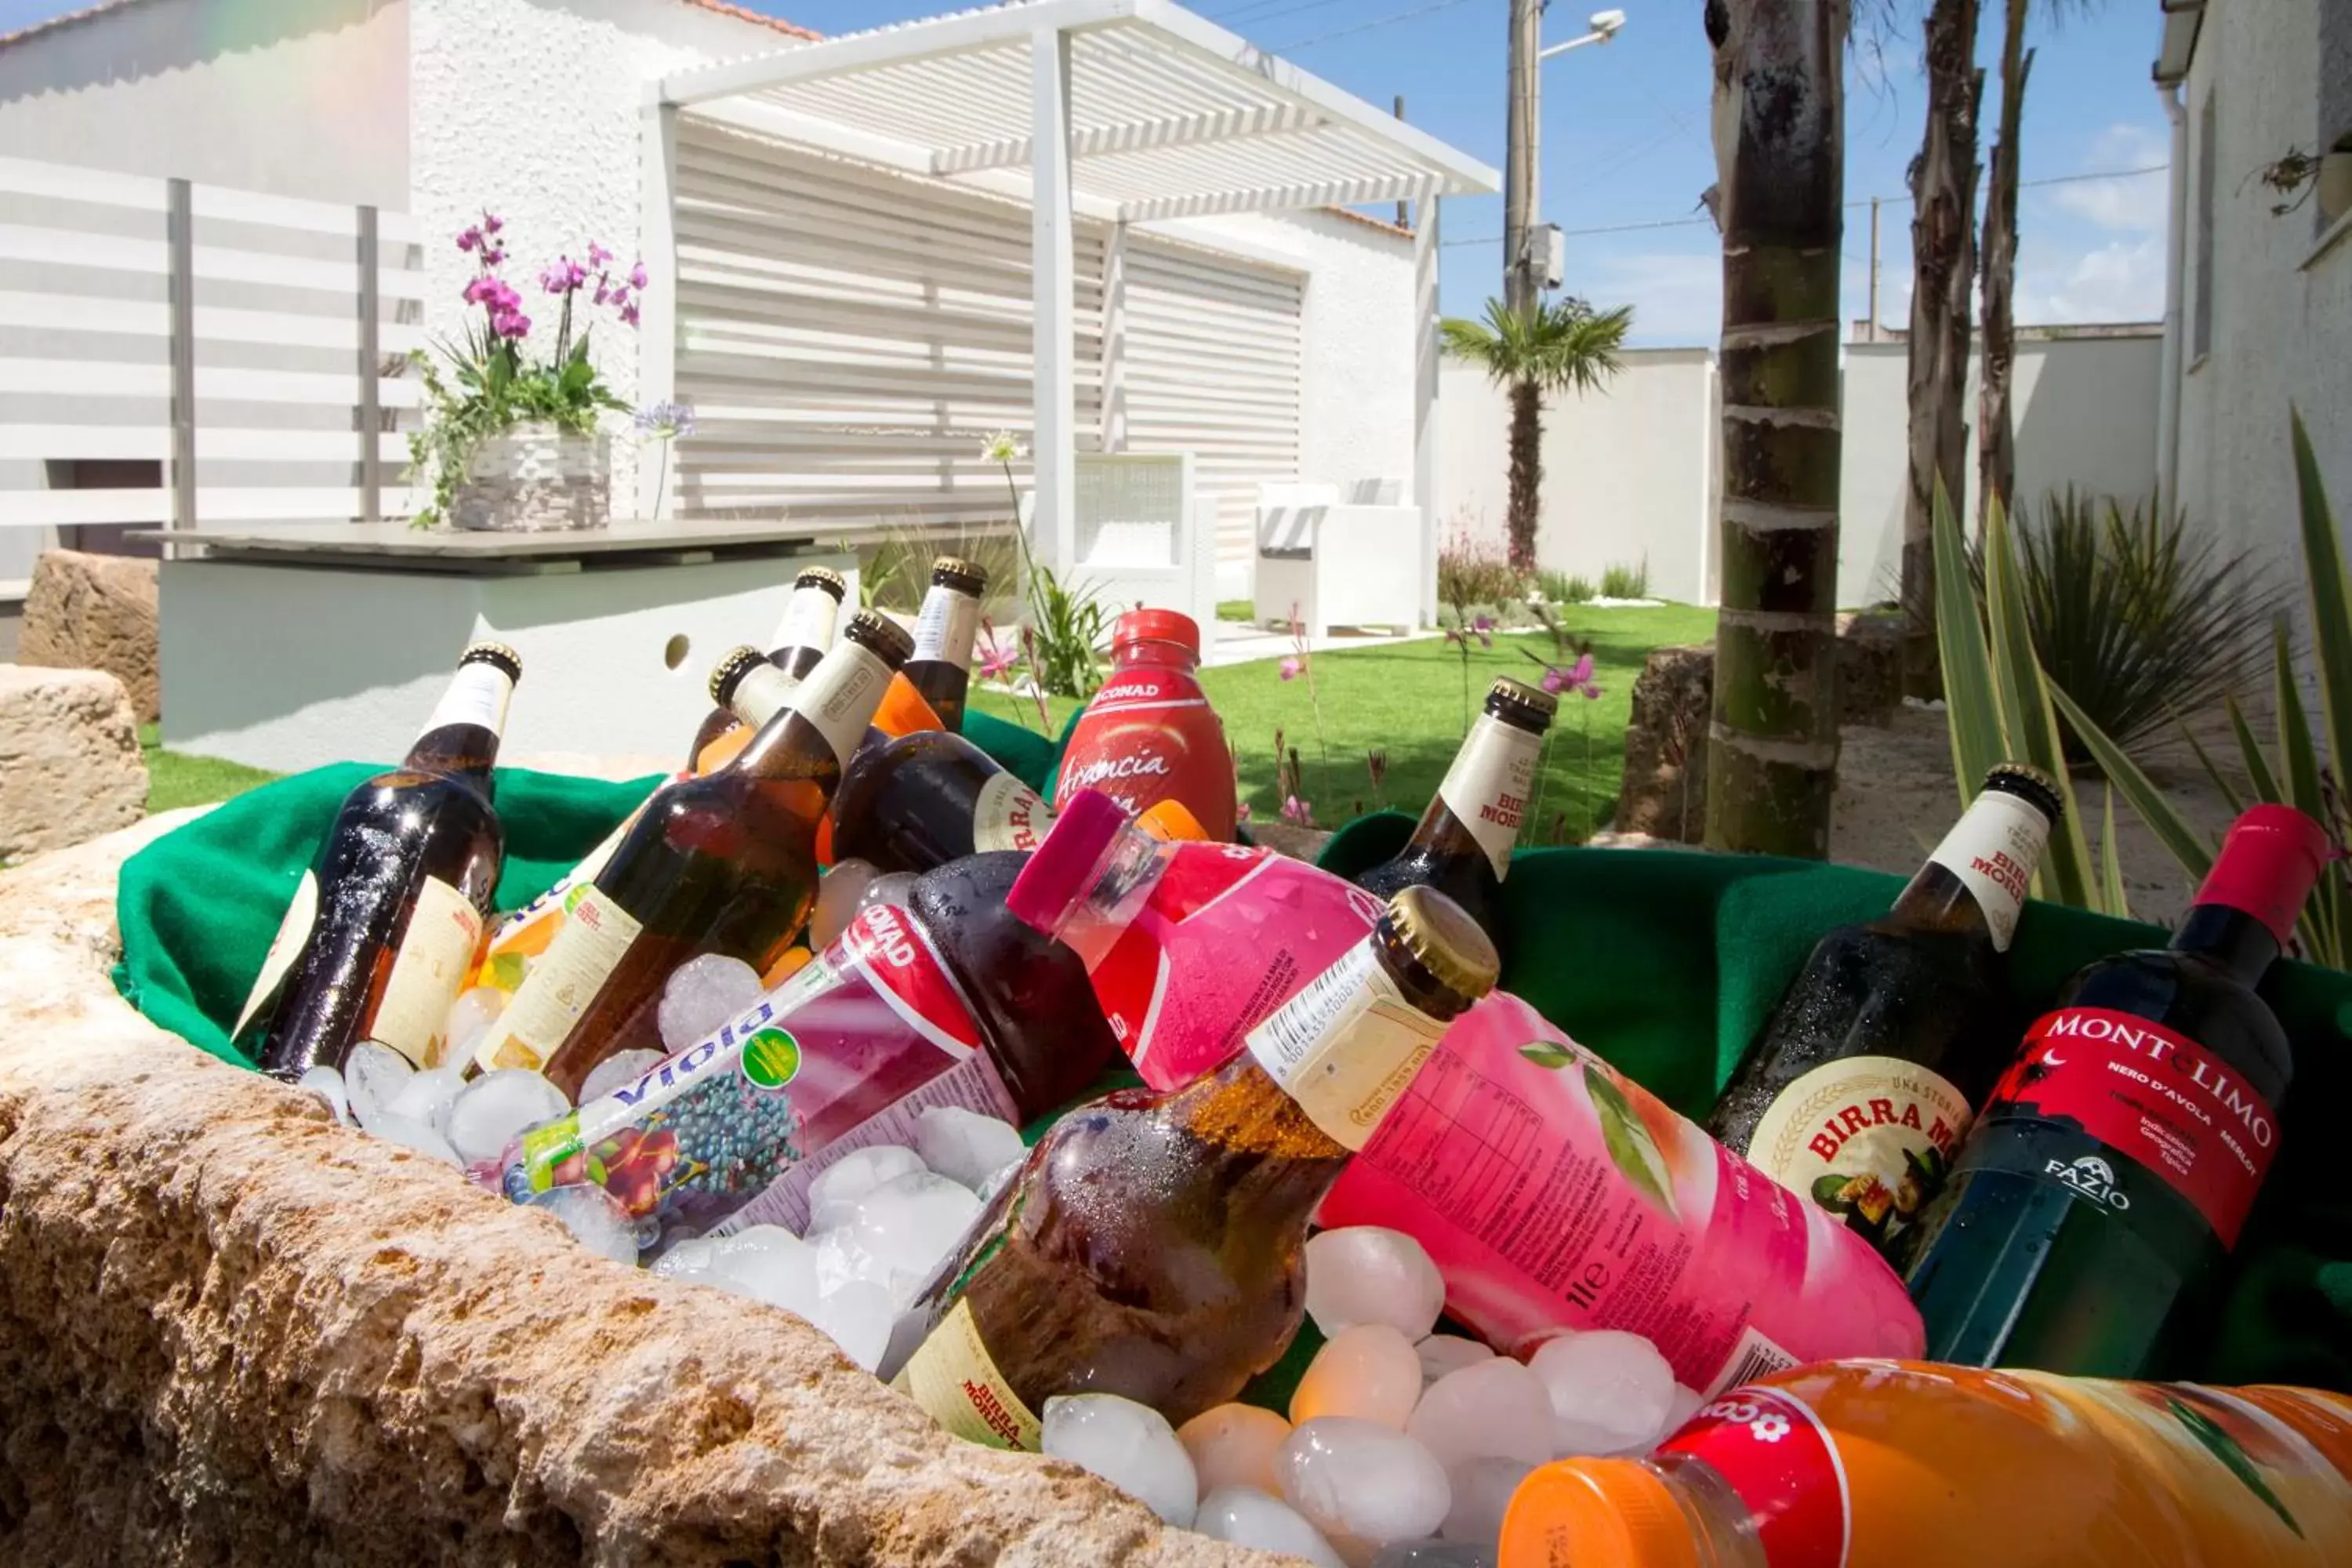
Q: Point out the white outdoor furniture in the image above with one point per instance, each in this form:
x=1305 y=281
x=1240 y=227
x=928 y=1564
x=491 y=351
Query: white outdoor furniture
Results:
x=1329 y=563
x=1145 y=536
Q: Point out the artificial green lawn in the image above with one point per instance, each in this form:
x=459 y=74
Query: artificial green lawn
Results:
x=1408 y=699
x=175 y=779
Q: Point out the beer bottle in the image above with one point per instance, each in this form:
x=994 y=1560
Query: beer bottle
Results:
x=1462 y=846
x=724 y=863
x=383 y=930
x=1151 y=1246
x=939 y=669
x=801 y=640
x=2111 y=1171
x=917 y=801
x=1859 y=1088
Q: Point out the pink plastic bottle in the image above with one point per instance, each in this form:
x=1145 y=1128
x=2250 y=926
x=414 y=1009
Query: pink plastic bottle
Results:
x=1551 y=1190
x=1149 y=735
x=1188 y=945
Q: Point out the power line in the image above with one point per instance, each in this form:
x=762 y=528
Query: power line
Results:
x=1279 y=8
x=1702 y=219
x=1367 y=27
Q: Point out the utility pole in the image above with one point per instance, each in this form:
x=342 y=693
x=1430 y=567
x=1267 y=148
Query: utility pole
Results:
x=1873 y=272
x=1519 y=156
x=1404 y=209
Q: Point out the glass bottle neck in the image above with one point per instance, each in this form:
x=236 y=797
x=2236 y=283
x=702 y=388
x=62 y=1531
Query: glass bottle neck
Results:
x=806 y=628
x=1480 y=803
x=2229 y=938
x=945 y=628
x=761 y=693
x=1975 y=882
x=835 y=705
x=463 y=734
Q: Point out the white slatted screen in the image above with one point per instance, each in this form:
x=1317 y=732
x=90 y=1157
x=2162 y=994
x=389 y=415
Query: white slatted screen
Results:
x=1213 y=368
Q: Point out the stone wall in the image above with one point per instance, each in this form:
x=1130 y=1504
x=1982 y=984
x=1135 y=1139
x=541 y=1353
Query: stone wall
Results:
x=231 y=1332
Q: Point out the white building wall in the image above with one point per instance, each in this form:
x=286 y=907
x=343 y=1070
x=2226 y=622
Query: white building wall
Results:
x=2282 y=326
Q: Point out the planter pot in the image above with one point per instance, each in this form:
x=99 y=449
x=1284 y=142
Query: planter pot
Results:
x=2335 y=195
x=536 y=479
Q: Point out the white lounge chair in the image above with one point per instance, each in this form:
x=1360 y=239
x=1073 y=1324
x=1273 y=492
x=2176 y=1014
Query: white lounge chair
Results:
x=1332 y=563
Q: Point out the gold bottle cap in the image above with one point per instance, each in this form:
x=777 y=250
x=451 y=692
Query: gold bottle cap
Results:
x=882 y=635
x=955 y=572
x=729 y=672
x=2030 y=784
x=824 y=577
x=496 y=653
x=1541 y=704
x=1443 y=939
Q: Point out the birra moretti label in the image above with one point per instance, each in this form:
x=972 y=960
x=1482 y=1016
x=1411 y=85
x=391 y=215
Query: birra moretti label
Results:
x=1993 y=848
x=1488 y=785
x=1008 y=815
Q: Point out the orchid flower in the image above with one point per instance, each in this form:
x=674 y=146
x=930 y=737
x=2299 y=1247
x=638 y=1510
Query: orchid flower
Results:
x=996 y=661
x=1292 y=668
x=1297 y=812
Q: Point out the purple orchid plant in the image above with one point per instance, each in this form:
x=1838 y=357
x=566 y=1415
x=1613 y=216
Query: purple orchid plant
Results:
x=494 y=382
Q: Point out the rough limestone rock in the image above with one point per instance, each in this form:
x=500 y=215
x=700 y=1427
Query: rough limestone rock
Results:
x=70 y=762
x=1664 y=795
x=95 y=611
x=1870 y=669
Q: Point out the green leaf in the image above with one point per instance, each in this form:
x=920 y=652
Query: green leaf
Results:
x=2140 y=792
x=1971 y=715
x=2111 y=860
x=2264 y=782
x=2331 y=608
x=1631 y=1148
x=2233 y=1457
x=1544 y=1054
x=2028 y=721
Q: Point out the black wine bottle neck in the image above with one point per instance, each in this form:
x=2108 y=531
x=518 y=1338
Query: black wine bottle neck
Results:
x=2230 y=940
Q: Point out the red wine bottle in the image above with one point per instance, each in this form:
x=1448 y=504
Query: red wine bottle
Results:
x=2112 y=1169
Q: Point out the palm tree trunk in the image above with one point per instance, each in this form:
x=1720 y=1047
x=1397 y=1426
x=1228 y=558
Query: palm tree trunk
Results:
x=1779 y=156
x=1996 y=442
x=1942 y=268
x=1526 y=470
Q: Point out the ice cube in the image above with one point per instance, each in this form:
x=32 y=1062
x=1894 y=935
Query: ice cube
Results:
x=1369 y=1372
x=1610 y=1392
x=1688 y=1402
x=909 y=1224
x=491 y=1112
x=1361 y=1480
x=693 y=1258
x=328 y=1085
x=1441 y=1353
x=1493 y=1407
x=965 y=1146
x=894 y=888
x=1129 y=1444
x=702 y=993
x=426 y=1096
x=767 y=1263
x=1234 y=1445
x=374 y=1073
x=1433 y=1554
x=1247 y=1517
x=621 y=1068
x=470 y=1017
x=411 y=1133
x=839 y=1189
x=594 y=1220
x=841 y=1260
x=1370 y=1274
x=1483 y=1487
x=836 y=900
x=856 y=1317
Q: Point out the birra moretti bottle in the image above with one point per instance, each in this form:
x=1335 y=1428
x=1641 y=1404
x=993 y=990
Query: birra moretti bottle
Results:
x=801 y=640
x=939 y=669
x=1152 y=1244
x=382 y=931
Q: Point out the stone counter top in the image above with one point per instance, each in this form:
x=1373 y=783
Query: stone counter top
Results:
x=396 y=544
x=232 y=1331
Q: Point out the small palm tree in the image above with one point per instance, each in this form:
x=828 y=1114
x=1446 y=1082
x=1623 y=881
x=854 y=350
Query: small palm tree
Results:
x=1562 y=346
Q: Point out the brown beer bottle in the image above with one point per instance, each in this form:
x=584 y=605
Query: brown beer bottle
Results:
x=1150 y=1245
x=1858 y=1090
x=801 y=640
x=917 y=801
x=724 y=863
x=1462 y=846
x=939 y=669
x=384 y=930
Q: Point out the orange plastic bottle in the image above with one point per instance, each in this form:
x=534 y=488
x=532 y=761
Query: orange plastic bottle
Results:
x=1920 y=1465
x=1149 y=735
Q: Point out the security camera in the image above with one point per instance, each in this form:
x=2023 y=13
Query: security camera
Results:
x=1606 y=23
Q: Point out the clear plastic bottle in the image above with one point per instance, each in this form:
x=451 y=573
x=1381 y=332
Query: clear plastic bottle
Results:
x=1931 y=1466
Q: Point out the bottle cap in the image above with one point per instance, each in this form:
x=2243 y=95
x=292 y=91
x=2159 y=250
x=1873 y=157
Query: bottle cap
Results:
x=1617 y=1511
x=493 y=653
x=729 y=672
x=1444 y=940
x=2269 y=861
x=1538 y=704
x=884 y=636
x=1158 y=625
x=1061 y=869
x=2030 y=784
x=955 y=572
x=824 y=577
x=1167 y=821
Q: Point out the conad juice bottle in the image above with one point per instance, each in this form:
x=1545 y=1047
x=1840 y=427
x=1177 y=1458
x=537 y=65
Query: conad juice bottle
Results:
x=1926 y=1466
x=1149 y=735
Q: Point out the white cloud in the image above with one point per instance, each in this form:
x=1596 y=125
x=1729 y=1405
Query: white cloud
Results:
x=2132 y=205
x=2122 y=280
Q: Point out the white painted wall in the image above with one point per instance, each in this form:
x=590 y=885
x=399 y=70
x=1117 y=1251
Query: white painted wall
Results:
x=2085 y=413
x=1629 y=471
x=2282 y=330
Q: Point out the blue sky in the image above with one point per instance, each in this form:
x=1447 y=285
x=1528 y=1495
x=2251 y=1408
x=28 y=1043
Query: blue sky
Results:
x=1625 y=142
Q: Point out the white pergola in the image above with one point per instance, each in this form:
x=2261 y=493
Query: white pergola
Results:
x=1129 y=111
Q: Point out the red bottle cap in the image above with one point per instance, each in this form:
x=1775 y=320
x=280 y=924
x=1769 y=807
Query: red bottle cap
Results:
x=1061 y=871
x=2269 y=861
x=1157 y=626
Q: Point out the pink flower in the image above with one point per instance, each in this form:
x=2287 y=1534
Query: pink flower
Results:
x=997 y=661
x=629 y=313
x=479 y=289
x=492 y=255
x=597 y=255
x=470 y=238
x=1292 y=668
x=604 y=293
x=510 y=324
x=1297 y=812
x=1581 y=676
x=637 y=279
x=1241 y=812
x=1555 y=679
x=492 y=222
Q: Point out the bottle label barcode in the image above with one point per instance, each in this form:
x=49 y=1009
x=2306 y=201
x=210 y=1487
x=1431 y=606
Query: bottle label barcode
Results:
x=1753 y=1356
x=1346 y=1047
